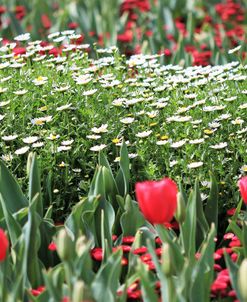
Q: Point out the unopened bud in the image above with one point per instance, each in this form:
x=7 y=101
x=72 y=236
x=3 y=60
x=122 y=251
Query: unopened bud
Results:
x=181 y=209
x=29 y=162
x=64 y=245
x=242 y=273
x=78 y=291
x=167 y=265
x=81 y=245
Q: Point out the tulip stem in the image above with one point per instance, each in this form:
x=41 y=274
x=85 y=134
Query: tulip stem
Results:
x=171 y=289
x=68 y=277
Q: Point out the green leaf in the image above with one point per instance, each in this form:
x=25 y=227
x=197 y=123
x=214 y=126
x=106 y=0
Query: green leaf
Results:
x=80 y=217
x=34 y=183
x=32 y=244
x=235 y=229
x=11 y=192
x=54 y=280
x=202 y=225
x=132 y=214
x=211 y=209
x=188 y=228
x=233 y=272
x=14 y=227
x=123 y=176
x=106 y=281
x=109 y=219
x=147 y=286
x=244 y=238
x=160 y=274
x=202 y=274
x=167 y=236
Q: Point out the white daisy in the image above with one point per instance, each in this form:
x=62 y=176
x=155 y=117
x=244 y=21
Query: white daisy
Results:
x=144 y=134
x=30 y=139
x=127 y=120
x=101 y=129
x=40 y=81
x=195 y=165
x=178 y=144
x=63 y=148
x=93 y=136
x=38 y=145
x=173 y=163
x=219 y=146
x=23 y=37
x=162 y=142
x=197 y=141
x=64 y=107
x=22 y=150
x=98 y=148
x=53 y=137
x=67 y=143
x=9 y=137
x=233 y=50
x=89 y=92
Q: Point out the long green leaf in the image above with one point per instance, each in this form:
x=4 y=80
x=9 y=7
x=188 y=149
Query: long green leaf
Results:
x=11 y=191
x=211 y=209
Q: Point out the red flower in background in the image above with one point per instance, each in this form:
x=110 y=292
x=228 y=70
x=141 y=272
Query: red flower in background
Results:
x=242 y=183
x=157 y=200
x=37 y=291
x=20 y=12
x=4 y=244
x=46 y=22
x=73 y=25
x=2 y=9
x=52 y=246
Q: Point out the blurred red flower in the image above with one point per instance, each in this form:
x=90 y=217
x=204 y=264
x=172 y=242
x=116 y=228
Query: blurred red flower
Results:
x=242 y=183
x=4 y=244
x=157 y=200
x=37 y=291
x=52 y=246
x=46 y=22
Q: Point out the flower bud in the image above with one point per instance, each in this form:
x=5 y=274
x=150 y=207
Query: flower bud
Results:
x=81 y=245
x=242 y=273
x=64 y=245
x=29 y=162
x=181 y=209
x=167 y=265
x=78 y=291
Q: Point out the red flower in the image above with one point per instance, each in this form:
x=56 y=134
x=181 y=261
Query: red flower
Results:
x=46 y=22
x=2 y=9
x=52 y=246
x=73 y=25
x=19 y=51
x=37 y=291
x=128 y=239
x=231 y=212
x=157 y=199
x=242 y=183
x=4 y=244
x=97 y=254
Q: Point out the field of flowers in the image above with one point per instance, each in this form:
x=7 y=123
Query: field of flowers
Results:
x=77 y=233
x=177 y=122
x=197 y=32
x=123 y=176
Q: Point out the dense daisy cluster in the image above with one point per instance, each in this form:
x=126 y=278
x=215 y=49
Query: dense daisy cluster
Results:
x=69 y=107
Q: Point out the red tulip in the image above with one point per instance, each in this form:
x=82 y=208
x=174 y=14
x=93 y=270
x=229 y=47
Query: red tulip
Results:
x=4 y=244
x=242 y=183
x=157 y=200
